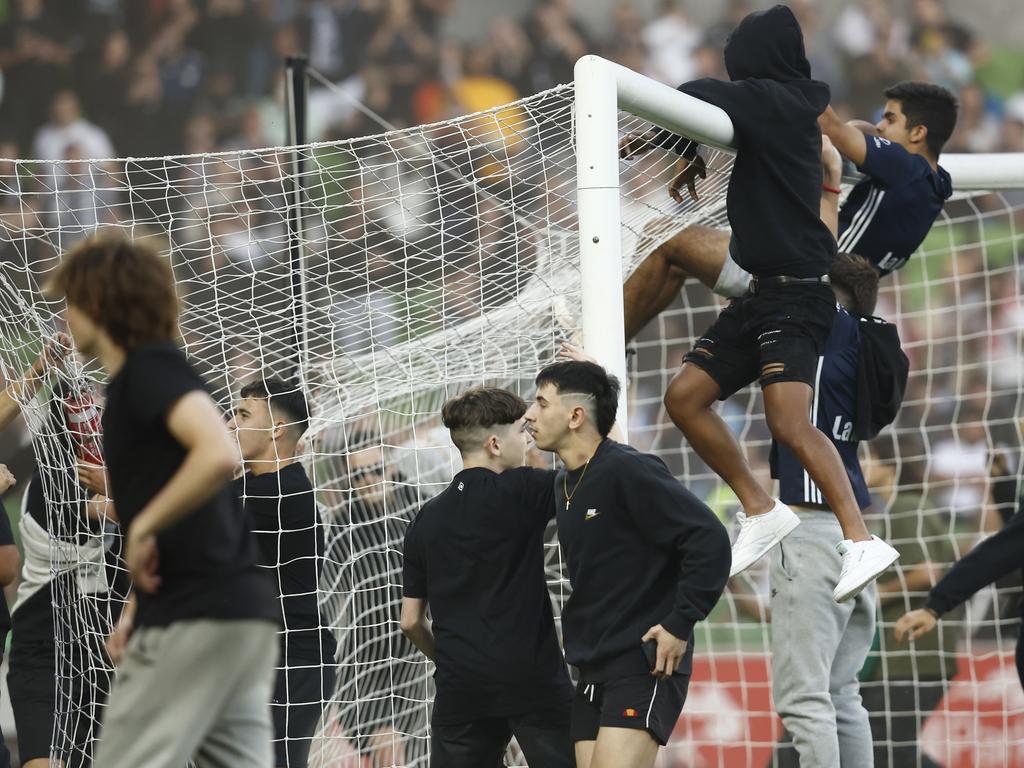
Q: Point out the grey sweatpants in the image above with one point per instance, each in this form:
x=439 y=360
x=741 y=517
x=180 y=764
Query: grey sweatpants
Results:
x=196 y=690
x=818 y=647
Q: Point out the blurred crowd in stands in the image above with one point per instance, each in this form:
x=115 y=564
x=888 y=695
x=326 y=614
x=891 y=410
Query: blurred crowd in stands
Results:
x=97 y=78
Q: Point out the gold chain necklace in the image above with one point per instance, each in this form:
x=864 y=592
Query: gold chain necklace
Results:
x=565 y=484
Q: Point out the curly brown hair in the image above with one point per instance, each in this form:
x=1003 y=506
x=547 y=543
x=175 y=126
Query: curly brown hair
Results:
x=124 y=286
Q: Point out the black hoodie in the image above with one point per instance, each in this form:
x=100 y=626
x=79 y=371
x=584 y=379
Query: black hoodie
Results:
x=774 y=193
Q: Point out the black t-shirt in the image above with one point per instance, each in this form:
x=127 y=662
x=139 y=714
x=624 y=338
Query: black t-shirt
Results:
x=476 y=554
x=641 y=550
x=208 y=558
x=290 y=537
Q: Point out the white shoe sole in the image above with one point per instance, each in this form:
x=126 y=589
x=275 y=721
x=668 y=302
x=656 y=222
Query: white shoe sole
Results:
x=857 y=589
x=782 y=533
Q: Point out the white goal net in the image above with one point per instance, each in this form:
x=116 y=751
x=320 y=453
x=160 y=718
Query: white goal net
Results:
x=436 y=258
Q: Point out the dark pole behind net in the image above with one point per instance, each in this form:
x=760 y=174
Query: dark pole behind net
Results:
x=295 y=126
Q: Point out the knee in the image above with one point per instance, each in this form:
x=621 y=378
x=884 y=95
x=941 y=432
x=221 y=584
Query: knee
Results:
x=803 y=705
x=787 y=429
x=682 y=400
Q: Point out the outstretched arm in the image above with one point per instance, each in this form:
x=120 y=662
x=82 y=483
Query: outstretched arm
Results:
x=53 y=350
x=993 y=558
x=848 y=138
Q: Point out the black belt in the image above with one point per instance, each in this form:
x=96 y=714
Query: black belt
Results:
x=776 y=280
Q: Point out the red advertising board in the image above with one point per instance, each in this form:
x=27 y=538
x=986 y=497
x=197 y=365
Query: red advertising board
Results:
x=728 y=721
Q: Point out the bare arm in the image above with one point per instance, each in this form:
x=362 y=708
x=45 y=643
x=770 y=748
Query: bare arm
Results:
x=847 y=137
x=53 y=350
x=416 y=626
x=10 y=561
x=920 y=578
x=832 y=177
x=101 y=508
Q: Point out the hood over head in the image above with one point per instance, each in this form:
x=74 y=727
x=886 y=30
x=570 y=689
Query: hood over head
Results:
x=768 y=45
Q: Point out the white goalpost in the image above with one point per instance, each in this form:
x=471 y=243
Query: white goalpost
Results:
x=440 y=257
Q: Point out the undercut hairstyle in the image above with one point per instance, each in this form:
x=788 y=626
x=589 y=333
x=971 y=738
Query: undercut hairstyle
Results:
x=123 y=286
x=584 y=378
x=284 y=399
x=470 y=415
x=929 y=105
x=859 y=279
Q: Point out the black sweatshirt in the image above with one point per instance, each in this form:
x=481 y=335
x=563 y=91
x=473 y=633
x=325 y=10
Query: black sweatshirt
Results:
x=992 y=559
x=640 y=550
x=774 y=196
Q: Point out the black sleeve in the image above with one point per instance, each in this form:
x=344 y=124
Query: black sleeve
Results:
x=160 y=376
x=414 y=572
x=716 y=92
x=537 y=489
x=992 y=559
x=669 y=515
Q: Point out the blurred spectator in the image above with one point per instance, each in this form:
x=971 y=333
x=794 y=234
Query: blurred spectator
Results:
x=68 y=128
x=671 y=39
x=404 y=51
x=36 y=53
x=558 y=41
x=479 y=88
x=143 y=69
x=1013 y=124
x=511 y=49
x=941 y=62
x=978 y=127
x=105 y=86
x=959 y=466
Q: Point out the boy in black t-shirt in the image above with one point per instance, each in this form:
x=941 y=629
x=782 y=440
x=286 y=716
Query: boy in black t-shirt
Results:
x=646 y=559
x=197 y=642
x=475 y=556
x=268 y=422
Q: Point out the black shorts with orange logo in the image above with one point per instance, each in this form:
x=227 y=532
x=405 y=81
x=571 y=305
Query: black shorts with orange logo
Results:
x=638 y=701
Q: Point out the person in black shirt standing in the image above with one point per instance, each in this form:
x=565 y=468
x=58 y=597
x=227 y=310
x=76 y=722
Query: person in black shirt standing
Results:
x=197 y=642
x=776 y=331
x=646 y=560
x=475 y=556
x=268 y=422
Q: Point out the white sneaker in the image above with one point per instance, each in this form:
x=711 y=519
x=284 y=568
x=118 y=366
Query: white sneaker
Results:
x=863 y=562
x=759 y=533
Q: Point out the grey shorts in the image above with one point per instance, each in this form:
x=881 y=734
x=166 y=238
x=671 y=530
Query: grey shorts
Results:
x=192 y=690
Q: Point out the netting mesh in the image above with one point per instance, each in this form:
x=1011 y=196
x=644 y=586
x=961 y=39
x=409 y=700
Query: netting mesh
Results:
x=441 y=257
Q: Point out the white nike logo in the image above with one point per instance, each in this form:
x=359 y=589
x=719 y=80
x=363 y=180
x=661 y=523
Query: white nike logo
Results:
x=591 y=514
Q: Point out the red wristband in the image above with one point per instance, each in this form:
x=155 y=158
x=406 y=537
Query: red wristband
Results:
x=833 y=190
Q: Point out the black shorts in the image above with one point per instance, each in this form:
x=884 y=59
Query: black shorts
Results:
x=543 y=736
x=301 y=690
x=30 y=682
x=639 y=701
x=774 y=335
